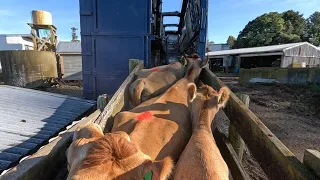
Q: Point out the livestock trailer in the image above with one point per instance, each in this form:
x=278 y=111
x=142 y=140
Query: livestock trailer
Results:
x=277 y=161
x=112 y=32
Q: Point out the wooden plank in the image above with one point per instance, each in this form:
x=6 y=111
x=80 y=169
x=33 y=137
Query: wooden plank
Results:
x=47 y=161
x=63 y=173
x=230 y=156
x=311 y=159
x=234 y=136
x=236 y=141
x=277 y=161
x=118 y=102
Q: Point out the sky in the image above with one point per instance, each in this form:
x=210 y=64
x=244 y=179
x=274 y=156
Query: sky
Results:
x=226 y=17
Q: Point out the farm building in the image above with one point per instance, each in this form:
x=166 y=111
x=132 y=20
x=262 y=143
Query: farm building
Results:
x=284 y=56
x=218 y=47
x=71 y=60
x=16 y=42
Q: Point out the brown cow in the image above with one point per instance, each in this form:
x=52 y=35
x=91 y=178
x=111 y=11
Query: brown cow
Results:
x=94 y=156
x=201 y=159
x=81 y=137
x=161 y=126
x=153 y=82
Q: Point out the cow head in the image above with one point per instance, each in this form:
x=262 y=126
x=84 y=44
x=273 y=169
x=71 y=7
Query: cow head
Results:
x=87 y=131
x=113 y=156
x=82 y=136
x=208 y=99
x=194 y=66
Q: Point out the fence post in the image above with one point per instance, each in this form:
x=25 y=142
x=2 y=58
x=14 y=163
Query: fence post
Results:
x=102 y=101
x=132 y=64
x=311 y=160
x=234 y=137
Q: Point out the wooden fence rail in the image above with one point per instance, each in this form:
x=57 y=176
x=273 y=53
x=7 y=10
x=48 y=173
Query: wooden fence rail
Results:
x=277 y=161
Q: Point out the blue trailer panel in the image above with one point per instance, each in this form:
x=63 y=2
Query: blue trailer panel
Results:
x=112 y=32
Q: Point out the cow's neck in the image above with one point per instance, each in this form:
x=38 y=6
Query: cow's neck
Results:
x=202 y=119
x=179 y=92
x=193 y=73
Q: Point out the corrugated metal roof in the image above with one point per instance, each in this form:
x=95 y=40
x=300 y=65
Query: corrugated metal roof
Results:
x=28 y=118
x=263 y=49
x=69 y=47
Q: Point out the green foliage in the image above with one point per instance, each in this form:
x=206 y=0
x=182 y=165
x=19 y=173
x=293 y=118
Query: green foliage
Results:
x=295 y=22
x=230 y=41
x=271 y=29
x=312 y=29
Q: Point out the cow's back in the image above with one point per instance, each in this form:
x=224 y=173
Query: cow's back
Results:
x=161 y=127
x=153 y=82
x=158 y=82
x=161 y=135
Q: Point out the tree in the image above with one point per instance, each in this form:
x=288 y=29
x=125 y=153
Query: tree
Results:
x=294 y=22
x=74 y=34
x=312 y=30
x=271 y=29
x=230 y=41
x=261 y=31
x=208 y=44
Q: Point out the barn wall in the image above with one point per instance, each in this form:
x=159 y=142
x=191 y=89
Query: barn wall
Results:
x=72 y=66
x=304 y=53
x=280 y=75
x=310 y=61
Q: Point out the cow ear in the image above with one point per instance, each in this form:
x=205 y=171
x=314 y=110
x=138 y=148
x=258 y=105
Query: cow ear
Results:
x=66 y=154
x=75 y=134
x=195 y=56
x=192 y=91
x=157 y=170
x=224 y=94
x=204 y=62
x=183 y=61
x=87 y=131
x=123 y=135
